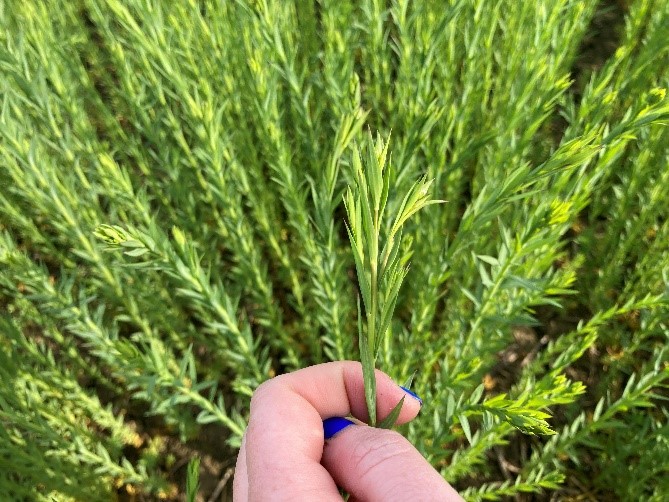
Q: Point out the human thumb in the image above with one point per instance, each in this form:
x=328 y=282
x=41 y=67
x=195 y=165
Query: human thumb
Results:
x=378 y=464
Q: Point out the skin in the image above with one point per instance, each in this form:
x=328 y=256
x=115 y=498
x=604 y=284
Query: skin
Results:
x=284 y=457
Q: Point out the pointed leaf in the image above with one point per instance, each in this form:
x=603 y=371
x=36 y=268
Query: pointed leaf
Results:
x=409 y=381
x=465 y=427
x=390 y=420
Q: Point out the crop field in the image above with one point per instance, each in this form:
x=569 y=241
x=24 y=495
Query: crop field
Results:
x=184 y=214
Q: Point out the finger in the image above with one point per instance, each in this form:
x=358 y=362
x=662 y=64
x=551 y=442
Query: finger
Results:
x=240 y=483
x=378 y=464
x=284 y=439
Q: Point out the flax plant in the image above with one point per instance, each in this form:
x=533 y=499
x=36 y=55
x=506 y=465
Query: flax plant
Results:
x=181 y=216
x=380 y=260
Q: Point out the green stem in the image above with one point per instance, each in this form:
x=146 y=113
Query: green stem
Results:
x=371 y=317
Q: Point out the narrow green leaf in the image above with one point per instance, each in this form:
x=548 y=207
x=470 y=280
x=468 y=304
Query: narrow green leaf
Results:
x=409 y=381
x=465 y=427
x=193 y=479
x=136 y=252
x=389 y=421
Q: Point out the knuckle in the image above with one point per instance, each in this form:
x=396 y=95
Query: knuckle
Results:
x=370 y=456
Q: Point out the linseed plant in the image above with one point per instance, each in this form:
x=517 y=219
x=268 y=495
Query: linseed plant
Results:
x=381 y=265
x=190 y=204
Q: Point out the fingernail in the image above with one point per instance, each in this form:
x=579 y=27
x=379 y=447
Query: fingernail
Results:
x=332 y=426
x=412 y=394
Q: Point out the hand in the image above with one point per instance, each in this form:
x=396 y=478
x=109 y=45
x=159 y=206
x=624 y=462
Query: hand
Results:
x=284 y=455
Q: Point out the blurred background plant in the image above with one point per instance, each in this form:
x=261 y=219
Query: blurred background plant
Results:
x=172 y=233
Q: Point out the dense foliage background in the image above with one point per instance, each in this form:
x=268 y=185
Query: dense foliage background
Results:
x=172 y=234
